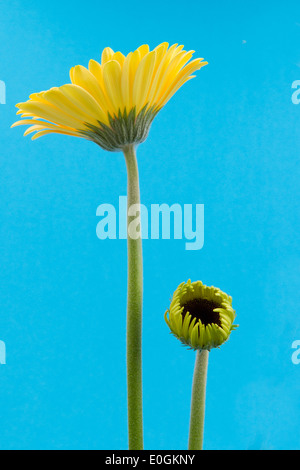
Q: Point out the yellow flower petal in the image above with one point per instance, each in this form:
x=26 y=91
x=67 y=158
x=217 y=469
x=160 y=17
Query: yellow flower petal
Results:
x=112 y=82
x=52 y=114
x=181 y=78
x=143 y=50
x=160 y=52
x=165 y=60
x=35 y=128
x=85 y=79
x=125 y=82
x=42 y=133
x=38 y=97
x=96 y=69
x=119 y=57
x=142 y=81
x=133 y=64
x=41 y=123
x=106 y=55
x=172 y=71
x=84 y=101
x=59 y=99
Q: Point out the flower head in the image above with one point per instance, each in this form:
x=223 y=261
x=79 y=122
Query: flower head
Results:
x=199 y=316
x=112 y=103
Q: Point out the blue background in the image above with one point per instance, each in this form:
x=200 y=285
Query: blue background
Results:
x=228 y=139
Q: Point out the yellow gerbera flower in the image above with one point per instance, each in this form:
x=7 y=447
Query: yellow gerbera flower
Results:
x=112 y=103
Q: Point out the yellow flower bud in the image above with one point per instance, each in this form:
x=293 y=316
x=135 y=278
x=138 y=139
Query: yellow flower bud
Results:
x=201 y=317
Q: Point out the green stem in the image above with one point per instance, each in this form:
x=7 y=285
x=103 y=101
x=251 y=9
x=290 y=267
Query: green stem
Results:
x=198 y=401
x=134 y=311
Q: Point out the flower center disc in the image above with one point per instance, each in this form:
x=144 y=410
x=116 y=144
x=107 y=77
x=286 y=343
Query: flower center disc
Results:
x=202 y=309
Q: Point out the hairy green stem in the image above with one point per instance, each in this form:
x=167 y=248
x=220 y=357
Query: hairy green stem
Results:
x=134 y=309
x=198 y=401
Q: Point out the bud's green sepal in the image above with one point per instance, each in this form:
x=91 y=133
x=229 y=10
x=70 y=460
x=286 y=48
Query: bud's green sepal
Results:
x=200 y=317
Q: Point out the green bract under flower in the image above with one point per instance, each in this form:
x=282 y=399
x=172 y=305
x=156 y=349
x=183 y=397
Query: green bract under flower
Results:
x=200 y=316
x=124 y=129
